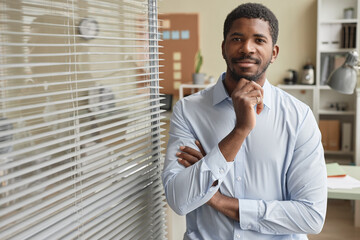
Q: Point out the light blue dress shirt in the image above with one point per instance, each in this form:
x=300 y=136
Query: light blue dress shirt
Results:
x=278 y=176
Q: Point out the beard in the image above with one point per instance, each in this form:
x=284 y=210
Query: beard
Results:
x=255 y=77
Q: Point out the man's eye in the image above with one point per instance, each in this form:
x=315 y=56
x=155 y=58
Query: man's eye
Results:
x=260 y=40
x=237 y=39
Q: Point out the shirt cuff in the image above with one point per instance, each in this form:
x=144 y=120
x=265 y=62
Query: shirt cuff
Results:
x=217 y=164
x=250 y=211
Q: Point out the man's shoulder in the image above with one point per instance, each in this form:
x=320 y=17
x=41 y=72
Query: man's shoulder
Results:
x=286 y=99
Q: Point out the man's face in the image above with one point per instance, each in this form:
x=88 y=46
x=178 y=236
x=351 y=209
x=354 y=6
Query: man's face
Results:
x=248 y=49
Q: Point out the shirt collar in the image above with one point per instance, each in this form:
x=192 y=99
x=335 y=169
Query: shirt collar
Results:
x=221 y=94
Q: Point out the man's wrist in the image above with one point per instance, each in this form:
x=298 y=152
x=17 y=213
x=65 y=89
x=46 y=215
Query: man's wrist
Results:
x=240 y=132
x=213 y=202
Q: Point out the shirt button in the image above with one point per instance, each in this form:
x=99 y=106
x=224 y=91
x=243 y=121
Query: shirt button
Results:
x=221 y=170
x=239 y=178
x=249 y=226
x=238 y=236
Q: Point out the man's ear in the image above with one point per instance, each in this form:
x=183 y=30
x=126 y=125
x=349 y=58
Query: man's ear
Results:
x=275 y=53
x=223 y=49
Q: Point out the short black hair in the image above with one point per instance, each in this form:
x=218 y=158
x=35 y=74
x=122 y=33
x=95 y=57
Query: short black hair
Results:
x=253 y=10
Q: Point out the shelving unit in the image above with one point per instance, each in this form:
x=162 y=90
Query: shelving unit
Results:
x=330 y=49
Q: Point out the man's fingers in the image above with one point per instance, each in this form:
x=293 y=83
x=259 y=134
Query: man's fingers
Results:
x=192 y=152
x=256 y=98
x=185 y=156
x=184 y=162
x=197 y=142
x=241 y=84
x=260 y=106
x=250 y=86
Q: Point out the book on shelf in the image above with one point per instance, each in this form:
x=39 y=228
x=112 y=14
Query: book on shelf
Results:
x=346 y=137
x=348 y=35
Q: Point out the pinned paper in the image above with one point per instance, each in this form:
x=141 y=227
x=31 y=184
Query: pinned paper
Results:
x=177 y=85
x=177 y=56
x=177 y=66
x=177 y=75
x=166 y=23
x=175 y=35
x=185 y=34
x=166 y=35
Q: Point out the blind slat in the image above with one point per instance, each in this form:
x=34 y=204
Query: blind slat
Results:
x=76 y=91
x=112 y=30
x=22 y=108
x=25 y=44
x=39 y=75
x=47 y=64
x=71 y=35
x=89 y=53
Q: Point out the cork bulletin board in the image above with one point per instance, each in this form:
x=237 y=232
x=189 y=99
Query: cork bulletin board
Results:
x=180 y=45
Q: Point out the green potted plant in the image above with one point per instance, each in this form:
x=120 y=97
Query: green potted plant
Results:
x=198 y=78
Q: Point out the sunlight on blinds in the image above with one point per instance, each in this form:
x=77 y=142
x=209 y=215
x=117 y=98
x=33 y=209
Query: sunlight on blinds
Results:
x=80 y=129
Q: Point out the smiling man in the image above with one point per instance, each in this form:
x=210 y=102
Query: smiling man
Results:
x=259 y=172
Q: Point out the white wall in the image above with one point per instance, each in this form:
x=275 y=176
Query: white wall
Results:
x=297 y=35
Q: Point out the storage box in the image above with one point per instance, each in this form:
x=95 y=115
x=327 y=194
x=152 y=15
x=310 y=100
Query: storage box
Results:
x=330 y=130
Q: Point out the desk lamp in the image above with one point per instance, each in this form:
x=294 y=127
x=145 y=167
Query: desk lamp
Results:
x=344 y=78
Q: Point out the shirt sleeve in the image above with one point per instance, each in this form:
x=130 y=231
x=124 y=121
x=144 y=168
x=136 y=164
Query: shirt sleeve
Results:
x=189 y=188
x=303 y=210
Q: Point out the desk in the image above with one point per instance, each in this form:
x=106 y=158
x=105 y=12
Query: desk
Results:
x=192 y=86
x=349 y=194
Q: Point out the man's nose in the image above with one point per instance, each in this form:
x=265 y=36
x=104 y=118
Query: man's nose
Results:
x=248 y=47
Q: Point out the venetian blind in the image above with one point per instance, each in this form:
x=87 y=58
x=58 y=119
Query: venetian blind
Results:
x=80 y=120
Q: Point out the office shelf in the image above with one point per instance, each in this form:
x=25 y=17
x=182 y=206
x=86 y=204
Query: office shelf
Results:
x=320 y=97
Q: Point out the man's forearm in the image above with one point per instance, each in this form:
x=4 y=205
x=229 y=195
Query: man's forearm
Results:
x=231 y=144
x=226 y=205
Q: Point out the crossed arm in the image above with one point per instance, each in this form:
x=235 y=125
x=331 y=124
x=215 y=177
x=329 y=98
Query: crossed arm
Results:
x=224 y=204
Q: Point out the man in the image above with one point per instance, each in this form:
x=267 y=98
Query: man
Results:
x=259 y=172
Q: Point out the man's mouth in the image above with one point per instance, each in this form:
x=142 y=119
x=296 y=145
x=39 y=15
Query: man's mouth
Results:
x=245 y=62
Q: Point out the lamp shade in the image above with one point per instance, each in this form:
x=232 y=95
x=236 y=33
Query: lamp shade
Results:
x=344 y=78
